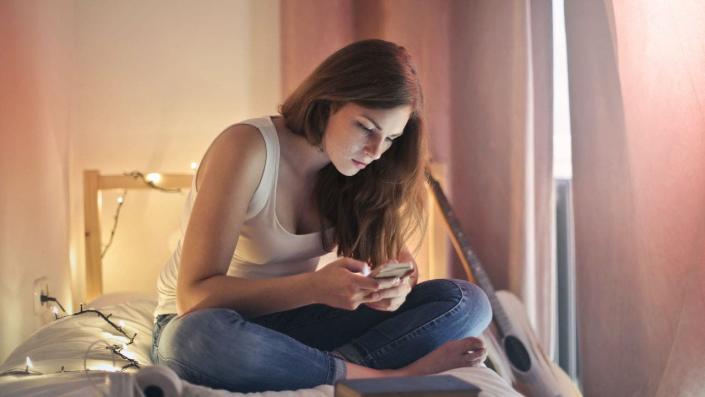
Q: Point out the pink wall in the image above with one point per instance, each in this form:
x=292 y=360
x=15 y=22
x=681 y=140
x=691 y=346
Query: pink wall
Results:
x=35 y=46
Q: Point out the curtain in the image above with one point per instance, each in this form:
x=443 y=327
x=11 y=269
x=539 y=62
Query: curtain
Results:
x=485 y=67
x=637 y=93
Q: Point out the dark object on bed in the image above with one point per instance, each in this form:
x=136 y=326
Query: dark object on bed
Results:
x=411 y=386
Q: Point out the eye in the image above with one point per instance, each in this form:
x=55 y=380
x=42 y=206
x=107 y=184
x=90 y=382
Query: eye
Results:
x=362 y=126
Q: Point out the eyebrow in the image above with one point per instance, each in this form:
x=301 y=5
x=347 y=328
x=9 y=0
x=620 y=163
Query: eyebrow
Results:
x=377 y=125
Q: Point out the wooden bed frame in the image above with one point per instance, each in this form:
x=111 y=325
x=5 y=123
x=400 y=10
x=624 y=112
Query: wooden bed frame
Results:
x=431 y=256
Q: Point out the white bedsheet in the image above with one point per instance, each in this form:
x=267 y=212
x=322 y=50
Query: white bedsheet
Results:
x=64 y=343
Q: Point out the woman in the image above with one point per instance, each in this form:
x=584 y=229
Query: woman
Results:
x=241 y=305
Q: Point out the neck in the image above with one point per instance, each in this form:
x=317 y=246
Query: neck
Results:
x=306 y=160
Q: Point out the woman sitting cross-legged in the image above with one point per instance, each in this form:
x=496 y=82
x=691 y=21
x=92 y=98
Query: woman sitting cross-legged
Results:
x=241 y=304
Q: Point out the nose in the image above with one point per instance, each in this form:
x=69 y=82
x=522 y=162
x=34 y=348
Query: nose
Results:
x=373 y=148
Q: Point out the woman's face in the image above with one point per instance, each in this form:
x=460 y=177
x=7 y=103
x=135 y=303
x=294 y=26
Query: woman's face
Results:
x=355 y=135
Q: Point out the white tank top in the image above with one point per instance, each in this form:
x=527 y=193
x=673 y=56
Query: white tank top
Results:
x=264 y=248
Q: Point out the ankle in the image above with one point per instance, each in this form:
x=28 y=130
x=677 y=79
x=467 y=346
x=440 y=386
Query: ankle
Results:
x=406 y=371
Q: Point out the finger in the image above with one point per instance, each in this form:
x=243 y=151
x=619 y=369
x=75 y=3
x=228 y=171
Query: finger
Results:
x=394 y=304
x=382 y=305
x=408 y=279
x=391 y=282
x=375 y=296
x=366 y=283
x=353 y=265
x=398 y=292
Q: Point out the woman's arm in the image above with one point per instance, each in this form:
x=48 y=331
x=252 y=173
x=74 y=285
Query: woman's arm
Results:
x=227 y=179
x=226 y=182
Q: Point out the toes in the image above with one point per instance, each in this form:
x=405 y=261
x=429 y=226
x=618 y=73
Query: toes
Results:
x=472 y=343
x=476 y=357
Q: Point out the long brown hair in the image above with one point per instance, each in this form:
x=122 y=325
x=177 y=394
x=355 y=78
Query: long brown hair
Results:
x=375 y=211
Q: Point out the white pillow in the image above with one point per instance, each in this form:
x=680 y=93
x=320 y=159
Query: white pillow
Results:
x=65 y=342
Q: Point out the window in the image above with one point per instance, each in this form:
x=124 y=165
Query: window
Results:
x=567 y=352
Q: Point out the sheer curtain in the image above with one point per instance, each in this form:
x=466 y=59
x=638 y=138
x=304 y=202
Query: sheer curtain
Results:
x=637 y=94
x=485 y=67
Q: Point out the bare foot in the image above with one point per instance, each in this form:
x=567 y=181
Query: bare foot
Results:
x=465 y=352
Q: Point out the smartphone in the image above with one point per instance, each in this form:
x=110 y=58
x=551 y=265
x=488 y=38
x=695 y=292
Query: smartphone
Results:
x=392 y=270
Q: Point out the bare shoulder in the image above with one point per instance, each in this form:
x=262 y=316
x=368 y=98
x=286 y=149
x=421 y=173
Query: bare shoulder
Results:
x=237 y=152
x=226 y=181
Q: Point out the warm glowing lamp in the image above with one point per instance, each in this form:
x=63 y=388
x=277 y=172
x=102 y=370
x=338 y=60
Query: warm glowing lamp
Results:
x=153 y=177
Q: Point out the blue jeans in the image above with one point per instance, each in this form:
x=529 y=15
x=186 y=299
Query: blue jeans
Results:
x=309 y=346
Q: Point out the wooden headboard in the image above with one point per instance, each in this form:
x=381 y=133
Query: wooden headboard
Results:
x=431 y=256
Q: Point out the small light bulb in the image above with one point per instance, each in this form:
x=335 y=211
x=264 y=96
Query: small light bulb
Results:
x=194 y=165
x=55 y=310
x=104 y=367
x=121 y=323
x=153 y=177
x=29 y=363
x=120 y=199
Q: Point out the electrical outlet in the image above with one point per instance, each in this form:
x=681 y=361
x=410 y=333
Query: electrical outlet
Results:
x=39 y=287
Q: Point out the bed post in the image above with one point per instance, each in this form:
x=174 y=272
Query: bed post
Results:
x=91 y=216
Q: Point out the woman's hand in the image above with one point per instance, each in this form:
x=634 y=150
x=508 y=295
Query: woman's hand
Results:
x=405 y=256
x=391 y=299
x=341 y=284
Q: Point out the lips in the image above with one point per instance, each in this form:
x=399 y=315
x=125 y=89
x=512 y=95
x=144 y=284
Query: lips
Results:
x=359 y=164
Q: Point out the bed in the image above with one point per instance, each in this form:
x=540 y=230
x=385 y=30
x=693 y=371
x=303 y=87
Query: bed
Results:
x=105 y=349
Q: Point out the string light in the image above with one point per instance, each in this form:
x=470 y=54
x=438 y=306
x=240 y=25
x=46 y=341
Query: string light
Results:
x=116 y=217
x=105 y=367
x=153 y=177
x=151 y=180
x=119 y=350
x=120 y=329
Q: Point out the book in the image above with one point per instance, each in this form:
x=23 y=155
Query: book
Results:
x=408 y=386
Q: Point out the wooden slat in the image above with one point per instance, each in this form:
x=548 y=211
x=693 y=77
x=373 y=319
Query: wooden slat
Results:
x=91 y=215
x=432 y=255
x=437 y=237
x=167 y=181
x=93 y=184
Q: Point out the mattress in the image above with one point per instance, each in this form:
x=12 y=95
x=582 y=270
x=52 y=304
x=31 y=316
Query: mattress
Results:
x=70 y=358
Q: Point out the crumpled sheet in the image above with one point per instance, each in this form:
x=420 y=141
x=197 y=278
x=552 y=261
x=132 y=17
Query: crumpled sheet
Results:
x=65 y=342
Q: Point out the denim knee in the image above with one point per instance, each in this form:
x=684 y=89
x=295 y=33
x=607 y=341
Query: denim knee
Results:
x=475 y=306
x=478 y=307
x=188 y=342
x=220 y=349
x=186 y=336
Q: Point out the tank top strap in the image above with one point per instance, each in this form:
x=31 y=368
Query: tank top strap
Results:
x=268 y=182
